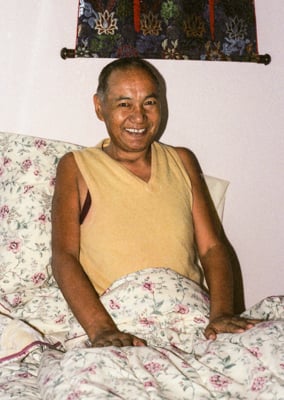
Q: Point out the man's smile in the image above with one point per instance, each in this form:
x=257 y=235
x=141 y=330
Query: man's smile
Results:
x=134 y=131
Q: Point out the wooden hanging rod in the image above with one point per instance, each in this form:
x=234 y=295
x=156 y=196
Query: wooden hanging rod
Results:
x=259 y=58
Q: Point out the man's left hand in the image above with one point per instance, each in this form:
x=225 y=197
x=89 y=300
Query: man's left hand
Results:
x=228 y=324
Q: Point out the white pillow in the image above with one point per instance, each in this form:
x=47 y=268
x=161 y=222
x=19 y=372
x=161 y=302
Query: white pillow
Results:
x=217 y=188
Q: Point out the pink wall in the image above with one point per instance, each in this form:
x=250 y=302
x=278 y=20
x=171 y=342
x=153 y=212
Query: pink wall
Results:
x=229 y=114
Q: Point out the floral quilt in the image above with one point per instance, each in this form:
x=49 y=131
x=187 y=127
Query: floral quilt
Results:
x=170 y=312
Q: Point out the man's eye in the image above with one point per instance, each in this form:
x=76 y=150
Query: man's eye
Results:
x=123 y=104
x=150 y=102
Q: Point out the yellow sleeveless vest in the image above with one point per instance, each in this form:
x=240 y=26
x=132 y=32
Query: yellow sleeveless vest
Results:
x=133 y=224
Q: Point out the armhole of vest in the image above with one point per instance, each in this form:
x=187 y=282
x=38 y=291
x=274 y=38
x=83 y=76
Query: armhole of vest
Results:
x=86 y=207
x=177 y=158
x=88 y=200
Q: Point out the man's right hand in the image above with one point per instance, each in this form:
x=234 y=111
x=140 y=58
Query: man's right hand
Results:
x=116 y=338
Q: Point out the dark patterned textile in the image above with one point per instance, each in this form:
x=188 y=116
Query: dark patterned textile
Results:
x=167 y=29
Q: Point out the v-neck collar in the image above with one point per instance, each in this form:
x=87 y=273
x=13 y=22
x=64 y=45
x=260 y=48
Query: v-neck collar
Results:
x=105 y=142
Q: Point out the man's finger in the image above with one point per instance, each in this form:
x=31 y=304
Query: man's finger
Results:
x=210 y=333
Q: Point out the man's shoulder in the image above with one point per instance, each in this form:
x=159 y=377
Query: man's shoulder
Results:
x=183 y=152
x=68 y=160
x=86 y=153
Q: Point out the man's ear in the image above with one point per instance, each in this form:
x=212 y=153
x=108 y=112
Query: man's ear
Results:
x=98 y=106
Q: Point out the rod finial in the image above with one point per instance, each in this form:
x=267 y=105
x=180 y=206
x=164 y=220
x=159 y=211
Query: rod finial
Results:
x=265 y=59
x=67 y=53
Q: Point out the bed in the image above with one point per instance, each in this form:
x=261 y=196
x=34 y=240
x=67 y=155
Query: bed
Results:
x=44 y=353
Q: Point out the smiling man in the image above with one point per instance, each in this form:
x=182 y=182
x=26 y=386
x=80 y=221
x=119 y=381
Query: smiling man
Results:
x=132 y=203
x=131 y=110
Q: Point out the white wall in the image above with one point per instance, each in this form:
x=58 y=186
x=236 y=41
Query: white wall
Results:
x=229 y=114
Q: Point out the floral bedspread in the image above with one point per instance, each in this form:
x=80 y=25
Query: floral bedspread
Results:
x=170 y=312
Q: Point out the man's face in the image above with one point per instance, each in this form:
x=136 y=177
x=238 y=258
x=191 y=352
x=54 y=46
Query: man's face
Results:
x=130 y=109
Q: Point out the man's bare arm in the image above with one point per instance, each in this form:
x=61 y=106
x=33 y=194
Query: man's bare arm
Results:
x=214 y=254
x=68 y=272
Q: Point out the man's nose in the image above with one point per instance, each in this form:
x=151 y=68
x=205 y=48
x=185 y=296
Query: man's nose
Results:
x=138 y=113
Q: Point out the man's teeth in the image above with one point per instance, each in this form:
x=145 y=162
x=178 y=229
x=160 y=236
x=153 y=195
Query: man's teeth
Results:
x=136 y=131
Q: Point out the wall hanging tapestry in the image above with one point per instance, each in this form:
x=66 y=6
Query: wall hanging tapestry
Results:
x=214 y=30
